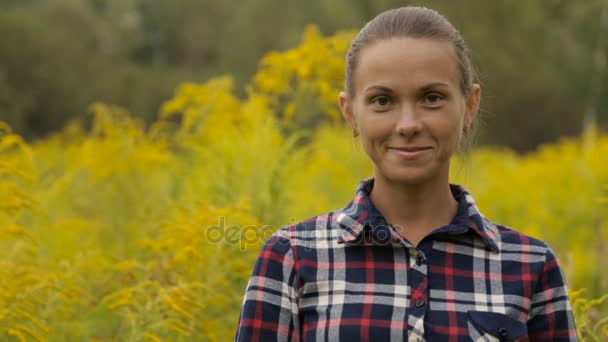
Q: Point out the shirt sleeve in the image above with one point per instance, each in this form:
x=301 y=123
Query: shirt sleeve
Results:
x=551 y=317
x=270 y=306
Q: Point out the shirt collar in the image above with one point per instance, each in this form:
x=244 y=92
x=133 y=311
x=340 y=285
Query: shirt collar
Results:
x=361 y=213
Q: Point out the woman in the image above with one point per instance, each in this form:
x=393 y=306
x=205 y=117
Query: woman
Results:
x=411 y=257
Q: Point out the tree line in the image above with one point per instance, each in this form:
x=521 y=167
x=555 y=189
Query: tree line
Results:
x=541 y=63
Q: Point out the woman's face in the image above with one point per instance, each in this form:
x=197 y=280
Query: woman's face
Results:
x=408 y=108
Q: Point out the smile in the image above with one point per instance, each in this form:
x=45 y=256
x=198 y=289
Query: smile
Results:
x=410 y=152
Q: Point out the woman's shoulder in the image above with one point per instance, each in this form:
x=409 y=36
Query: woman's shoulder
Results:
x=512 y=240
x=316 y=231
x=504 y=238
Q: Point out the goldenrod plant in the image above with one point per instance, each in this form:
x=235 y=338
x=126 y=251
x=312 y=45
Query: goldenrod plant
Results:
x=118 y=232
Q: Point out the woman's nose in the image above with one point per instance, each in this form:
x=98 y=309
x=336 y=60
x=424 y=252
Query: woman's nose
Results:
x=408 y=122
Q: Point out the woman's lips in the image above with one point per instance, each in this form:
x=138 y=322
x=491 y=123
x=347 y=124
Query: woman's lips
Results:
x=410 y=152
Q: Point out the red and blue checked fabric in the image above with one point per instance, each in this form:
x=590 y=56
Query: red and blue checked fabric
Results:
x=348 y=275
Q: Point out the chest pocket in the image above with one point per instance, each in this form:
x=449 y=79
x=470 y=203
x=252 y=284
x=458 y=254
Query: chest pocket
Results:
x=495 y=326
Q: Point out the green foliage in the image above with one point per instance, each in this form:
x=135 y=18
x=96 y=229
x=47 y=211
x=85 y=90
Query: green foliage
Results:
x=59 y=56
x=126 y=233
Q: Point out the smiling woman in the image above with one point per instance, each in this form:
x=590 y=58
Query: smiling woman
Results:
x=407 y=105
x=411 y=257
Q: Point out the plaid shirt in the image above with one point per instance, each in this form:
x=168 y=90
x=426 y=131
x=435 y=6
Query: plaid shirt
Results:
x=348 y=275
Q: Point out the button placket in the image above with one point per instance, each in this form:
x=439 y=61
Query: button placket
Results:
x=418 y=283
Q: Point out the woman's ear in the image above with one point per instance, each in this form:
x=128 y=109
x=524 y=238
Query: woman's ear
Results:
x=472 y=104
x=347 y=110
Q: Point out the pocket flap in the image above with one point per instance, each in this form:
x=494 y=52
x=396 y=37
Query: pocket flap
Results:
x=498 y=325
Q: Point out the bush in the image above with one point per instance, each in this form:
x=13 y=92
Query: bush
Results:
x=123 y=233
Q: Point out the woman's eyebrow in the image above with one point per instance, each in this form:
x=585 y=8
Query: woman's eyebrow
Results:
x=424 y=88
x=433 y=85
x=378 y=87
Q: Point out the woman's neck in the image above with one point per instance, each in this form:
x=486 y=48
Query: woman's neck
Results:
x=414 y=210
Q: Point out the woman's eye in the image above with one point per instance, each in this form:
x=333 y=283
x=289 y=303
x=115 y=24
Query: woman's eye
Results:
x=433 y=98
x=381 y=101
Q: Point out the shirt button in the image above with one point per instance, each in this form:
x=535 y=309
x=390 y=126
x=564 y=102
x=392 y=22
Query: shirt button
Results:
x=420 y=303
x=503 y=332
x=419 y=260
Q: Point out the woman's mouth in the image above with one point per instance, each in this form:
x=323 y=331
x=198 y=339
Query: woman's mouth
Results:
x=410 y=152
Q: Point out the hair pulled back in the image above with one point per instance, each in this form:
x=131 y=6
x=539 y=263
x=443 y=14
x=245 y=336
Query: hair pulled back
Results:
x=410 y=22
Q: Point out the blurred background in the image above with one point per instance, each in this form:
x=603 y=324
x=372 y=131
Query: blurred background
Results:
x=148 y=149
x=542 y=63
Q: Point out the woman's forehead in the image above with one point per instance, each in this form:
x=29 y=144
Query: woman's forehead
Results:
x=407 y=62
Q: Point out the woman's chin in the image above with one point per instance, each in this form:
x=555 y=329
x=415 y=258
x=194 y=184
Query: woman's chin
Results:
x=409 y=176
